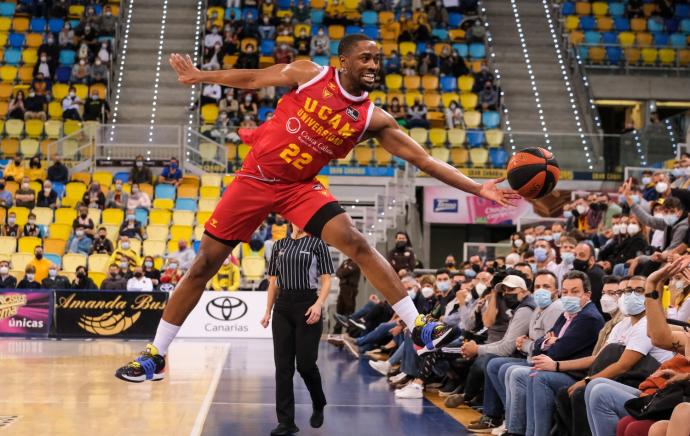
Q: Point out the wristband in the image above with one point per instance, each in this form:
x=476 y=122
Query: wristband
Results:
x=558 y=366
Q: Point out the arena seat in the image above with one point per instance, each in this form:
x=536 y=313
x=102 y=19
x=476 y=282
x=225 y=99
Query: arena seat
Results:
x=183 y=217
x=8 y=245
x=19 y=262
x=71 y=261
x=112 y=216
x=163 y=203
x=160 y=216
x=54 y=246
x=22 y=214
x=165 y=191
x=157 y=232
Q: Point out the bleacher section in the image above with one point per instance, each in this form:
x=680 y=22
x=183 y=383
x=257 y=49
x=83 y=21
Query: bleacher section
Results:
x=606 y=33
x=22 y=38
x=478 y=144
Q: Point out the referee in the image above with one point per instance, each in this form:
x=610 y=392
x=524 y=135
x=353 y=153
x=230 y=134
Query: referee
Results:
x=297 y=264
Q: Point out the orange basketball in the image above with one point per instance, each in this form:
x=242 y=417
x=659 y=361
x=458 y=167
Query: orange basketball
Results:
x=533 y=172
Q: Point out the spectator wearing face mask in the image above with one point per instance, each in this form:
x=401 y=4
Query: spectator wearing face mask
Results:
x=171 y=273
x=567 y=252
x=221 y=129
x=267 y=30
x=36 y=172
x=79 y=242
x=284 y=54
x=140 y=173
x=138 y=198
x=14 y=171
x=6 y=199
x=320 y=44
x=131 y=227
x=40 y=264
x=81 y=72
x=96 y=108
x=107 y=23
x=303 y=43
x=35 y=106
x=348 y=274
x=25 y=196
x=248 y=106
x=150 y=271
x=84 y=221
x=11 y=228
x=139 y=282
x=171 y=174
x=248 y=58
x=101 y=243
x=104 y=52
x=58 y=172
x=227 y=278
x=659 y=187
x=184 y=256
x=47 y=197
x=279 y=229
x=610 y=299
x=114 y=281
x=94 y=197
x=212 y=38
x=29 y=281
x=55 y=280
x=82 y=280
x=71 y=105
x=126 y=253
x=211 y=94
x=117 y=198
x=45 y=67
x=679 y=307
x=31 y=228
x=402 y=256
x=7 y=281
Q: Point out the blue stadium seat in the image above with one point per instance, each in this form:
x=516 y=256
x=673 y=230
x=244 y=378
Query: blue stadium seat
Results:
x=54 y=258
x=477 y=51
x=588 y=22
x=498 y=157
x=263 y=111
x=74 y=23
x=349 y=30
x=165 y=191
x=67 y=57
x=672 y=25
x=441 y=34
x=614 y=54
x=370 y=17
x=333 y=45
x=16 y=40
x=196 y=245
x=592 y=37
x=421 y=48
x=661 y=39
x=7 y=9
x=13 y=56
x=454 y=20
x=321 y=60
x=621 y=24
x=655 y=25
x=475 y=138
x=685 y=25
x=583 y=51
x=448 y=84
x=315 y=30
x=38 y=25
x=59 y=189
x=317 y=16
x=142 y=215
x=63 y=74
x=284 y=4
x=568 y=8
x=98 y=9
x=491 y=119
x=678 y=40
x=228 y=13
x=55 y=24
x=616 y=9
x=122 y=176
x=682 y=10
x=372 y=31
x=268 y=47
x=463 y=49
x=186 y=204
x=609 y=38
x=253 y=11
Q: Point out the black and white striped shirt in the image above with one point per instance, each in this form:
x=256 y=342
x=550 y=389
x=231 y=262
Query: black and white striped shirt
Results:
x=298 y=263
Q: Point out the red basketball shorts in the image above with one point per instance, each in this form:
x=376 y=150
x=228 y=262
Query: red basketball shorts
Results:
x=247 y=202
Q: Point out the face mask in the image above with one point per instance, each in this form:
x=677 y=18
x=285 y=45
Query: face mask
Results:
x=631 y=304
x=124 y=265
x=139 y=163
x=32 y=222
x=138 y=275
x=661 y=187
x=11 y=221
x=480 y=288
x=81 y=274
x=623 y=228
x=30 y=277
x=518 y=243
x=102 y=236
x=83 y=215
x=609 y=303
x=616 y=228
x=131 y=217
x=533 y=266
x=52 y=273
x=670 y=219
x=412 y=293
x=581 y=209
x=4 y=270
x=567 y=214
x=450 y=264
x=646 y=180
x=530 y=239
x=677 y=172
x=401 y=244
x=542 y=297
x=114 y=274
x=470 y=273
x=580 y=265
x=633 y=229
x=79 y=233
x=173 y=266
x=548 y=238
x=540 y=254
x=568 y=257
x=125 y=245
x=39 y=256
x=635 y=198
x=571 y=305
x=173 y=166
x=427 y=292
x=443 y=286
x=511 y=300
x=72 y=94
x=148 y=264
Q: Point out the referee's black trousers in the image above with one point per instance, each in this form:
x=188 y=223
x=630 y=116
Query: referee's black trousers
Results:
x=295 y=340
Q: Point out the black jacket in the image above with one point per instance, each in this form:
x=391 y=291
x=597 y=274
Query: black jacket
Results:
x=86 y=283
x=58 y=173
x=8 y=283
x=111 y=284
x=59 y=282
x=25 y=284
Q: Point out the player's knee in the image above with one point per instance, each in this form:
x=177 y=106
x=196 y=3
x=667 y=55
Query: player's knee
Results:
x=356 y=247
x=203 y=268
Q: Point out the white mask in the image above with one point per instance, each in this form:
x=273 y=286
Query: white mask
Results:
x=581 y=209
x=623 y=229
x=616 y=228
x=646 y=180
x=518 y=243
x=633 y=229
x=412 y=293
x=427 y=291
x=30 y=277
x=480 y=288
x=661 y=187
x=530 y=239
x=4 y=270
x=609 y=303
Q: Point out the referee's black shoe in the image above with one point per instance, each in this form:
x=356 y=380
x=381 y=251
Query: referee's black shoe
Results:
x=284 y=430
x=316 y=419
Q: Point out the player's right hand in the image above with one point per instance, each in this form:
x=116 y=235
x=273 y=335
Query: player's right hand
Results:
x=187 y=73
x=264 y=321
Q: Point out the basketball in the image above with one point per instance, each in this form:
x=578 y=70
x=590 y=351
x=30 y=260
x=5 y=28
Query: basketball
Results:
x=533 y=172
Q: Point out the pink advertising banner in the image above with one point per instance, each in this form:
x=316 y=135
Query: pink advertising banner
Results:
x=446 y=205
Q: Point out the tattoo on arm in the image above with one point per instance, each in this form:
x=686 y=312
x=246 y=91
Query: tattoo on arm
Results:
x=676 y=346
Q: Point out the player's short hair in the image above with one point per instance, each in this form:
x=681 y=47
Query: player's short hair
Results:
x=348 y=41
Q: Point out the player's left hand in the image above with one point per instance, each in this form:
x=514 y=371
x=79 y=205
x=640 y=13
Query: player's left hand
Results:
x=504 y=197
x=313 y=313
x=187 y=73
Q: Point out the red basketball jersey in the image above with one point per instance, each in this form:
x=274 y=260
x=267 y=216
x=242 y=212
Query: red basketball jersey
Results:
x=312 y=125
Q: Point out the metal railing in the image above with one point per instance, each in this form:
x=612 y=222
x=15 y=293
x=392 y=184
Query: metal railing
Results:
x=538 y=221
x=485 y=250
x=635 y=57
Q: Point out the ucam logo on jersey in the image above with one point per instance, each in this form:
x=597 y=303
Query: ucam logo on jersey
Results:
x=227 y=315
x=445 y=205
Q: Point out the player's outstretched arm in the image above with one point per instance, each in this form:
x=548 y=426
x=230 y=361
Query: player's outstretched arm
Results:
x=293 y=74
x=384 y=128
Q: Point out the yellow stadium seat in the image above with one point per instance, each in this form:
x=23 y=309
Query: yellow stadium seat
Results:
x=113 y=216
x=95 y=215
x=99 y=88
x=210 y=179
x=104 y=178
x=10 y=146
x=70 y=148
x=5 y=24
x=4 y=106
x=648 y=9
x=65 y=215
x=597 y=54
x=55 y=111
x=227 y=179
x=638 y=24
x=157 y=232
x=382 y=156
x=202 y=217
x=44 y=215
x=209 y=113
x=60 y=91
x=411 y=82
x=54 y=246
x=347 y=159
x=407 y=47
x=153 y=248
x=5 y=91
x=8 y=73
x=576 y=37
x=25 y=73
x=209 y=192
x=411 y=97
x=26 y=244
x=60 y=231
x=572 y=22
x=187 y=191
x=14 y=128
x=160 y=216
x=35 y=186
x=644 y=39
x=20 y=24
x=76 y=11
x=456 y=34
x=243 y=150
x=183 y=217
x=253 y=268
x=420 y=135
x=97 y=277
x=479 y=157
x=604 y=24
x=34 y=40
x=394 y=81
x=147 y=188
x=430 y=82
x=468 y=101
x=448 y=97
x=472 y=119
x=437 y=137
x=163 y=203
x=29 y=56
x=219 y=12
x=336 y=31
x=28 y=146
x=465 y=83
x=207 y=204
x=649 y=56
x=456 y=137
x=22 y=214
x=459 y=156
x=20 y=260
x=600 y=8
x=667 y=56
x=583 y=8
x=363 y=155
x=198 y=232
x=82 y=177
x=684 y=57
x=34 y=128
x=494 y=137
x=8 y=244
x=99 y=262
x=71 y=126
x=441 y=153
x=71 y=261
x=178 y=232
x=432 y=100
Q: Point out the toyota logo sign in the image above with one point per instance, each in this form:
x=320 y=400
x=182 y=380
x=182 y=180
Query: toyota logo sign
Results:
x=226 y=308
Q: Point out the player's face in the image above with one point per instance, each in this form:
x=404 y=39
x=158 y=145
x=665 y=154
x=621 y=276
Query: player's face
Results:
x=362 y=64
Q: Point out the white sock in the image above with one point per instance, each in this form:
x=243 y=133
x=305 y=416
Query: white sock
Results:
x=407 y=311
x=164 y=336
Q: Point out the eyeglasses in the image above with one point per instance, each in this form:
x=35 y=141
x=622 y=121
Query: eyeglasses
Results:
x=638 y=291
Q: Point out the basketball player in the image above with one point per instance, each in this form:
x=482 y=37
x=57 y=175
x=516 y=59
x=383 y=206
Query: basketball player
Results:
x=322 y=118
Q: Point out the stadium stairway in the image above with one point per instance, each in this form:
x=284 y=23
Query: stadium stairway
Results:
x=515 y=80
x=141 y=58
